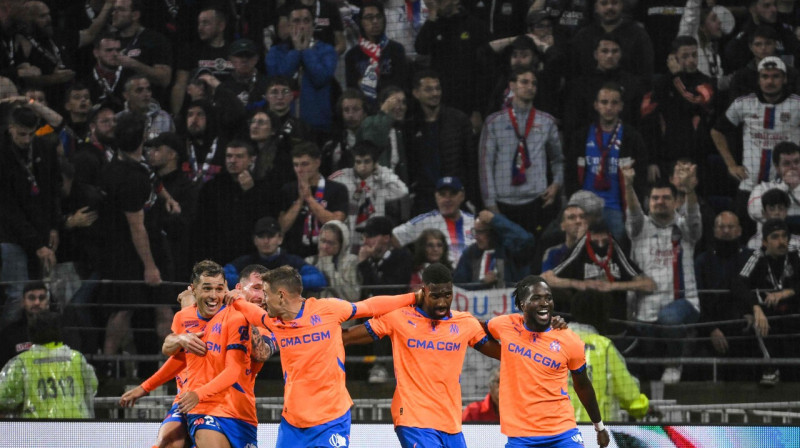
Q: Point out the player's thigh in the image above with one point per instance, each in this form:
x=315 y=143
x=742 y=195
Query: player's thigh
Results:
x=209 y=438
x=173 y=434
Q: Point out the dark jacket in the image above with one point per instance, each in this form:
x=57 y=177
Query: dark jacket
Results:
x=312 y=278
x=714 y=270
x=393 y=269
x=581 y=93
x=393 y=67
x=29 y=212
x=637 y=49
x=737 y=51
x=513 y=245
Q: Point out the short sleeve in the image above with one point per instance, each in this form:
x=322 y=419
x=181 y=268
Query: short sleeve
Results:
x=493 y=325
x=477 y=336
x=342 y=309
x=576 y=353
x=380 y=326
x=176 y=323
x=734 y=113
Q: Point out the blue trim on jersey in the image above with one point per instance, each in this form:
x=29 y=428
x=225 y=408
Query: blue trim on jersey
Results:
x=208 y=319
x=239 y=388
x=341 y=364
x=236 y=347
x=353 y=313
x=420 y=311
x=419 y=218
x=300 y=313
x=579 y=369
x=481 y=342
x=567 y=439
x=534 y=331
x=371 y=331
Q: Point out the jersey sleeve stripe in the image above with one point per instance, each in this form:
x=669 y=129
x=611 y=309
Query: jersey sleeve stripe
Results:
x=371 y=331
x=239 y=388
x=341 y=364
x=353 y=313
x=481 y=342
x=236 y=347
x=579 y=369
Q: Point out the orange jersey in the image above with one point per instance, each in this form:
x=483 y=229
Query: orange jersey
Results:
x=428 y=357
x=218 y=376
x=534 y=369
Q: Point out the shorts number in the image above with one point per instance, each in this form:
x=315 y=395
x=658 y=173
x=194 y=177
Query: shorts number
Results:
x=209 y=420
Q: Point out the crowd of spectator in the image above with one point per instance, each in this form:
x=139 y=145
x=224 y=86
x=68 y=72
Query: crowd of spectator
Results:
x=639 y=153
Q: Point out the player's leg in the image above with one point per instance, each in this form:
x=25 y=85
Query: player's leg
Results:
x=173 y=434
x=240 y=434
x=206 y=431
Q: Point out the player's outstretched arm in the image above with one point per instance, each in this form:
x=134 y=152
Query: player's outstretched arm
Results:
x=379 y=305
x=490 y=348
x=585 y=391
x=170 y=369
x=190 y=342
x=357 y=335
x=235 y=360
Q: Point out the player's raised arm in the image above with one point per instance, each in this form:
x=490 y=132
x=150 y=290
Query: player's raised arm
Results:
x=585 y=391
x=190 y=342
x=378 y=305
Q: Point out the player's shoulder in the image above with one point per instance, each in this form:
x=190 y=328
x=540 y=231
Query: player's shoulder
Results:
x=505 y=319
x=566 y=335
x=433 y=214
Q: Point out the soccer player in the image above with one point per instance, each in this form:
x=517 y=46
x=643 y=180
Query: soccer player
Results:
x=535 y=409
x=241 y=401
x=316 y=409
x=429 y=343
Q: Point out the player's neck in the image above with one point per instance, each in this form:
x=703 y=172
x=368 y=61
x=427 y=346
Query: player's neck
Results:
x=608 y=126
x=520 y=104
x=533 y=326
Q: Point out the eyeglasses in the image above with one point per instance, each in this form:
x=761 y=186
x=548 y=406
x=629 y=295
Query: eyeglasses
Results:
x=279 y=92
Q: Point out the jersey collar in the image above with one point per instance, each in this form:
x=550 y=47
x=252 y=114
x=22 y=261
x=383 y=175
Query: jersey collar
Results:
x=420 y=311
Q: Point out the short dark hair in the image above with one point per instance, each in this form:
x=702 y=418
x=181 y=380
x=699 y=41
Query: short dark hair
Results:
x=523 y=288
x=366 y=148
x=136 y=77
x=783 y=149
x=306 y=148
x=74 y=87
x=218 y=9
x=683 y=41
x=419 y=75
x=278 y=81
x=521 y=70
x=350 y=94
x=609 y=37
x=284 y=276
x=298 y=5
x=129 y=132
x=251 y=151
x=775 y=196
x=663 y=184
x=102 y=36
x=436 y=274
x=764 y=32
x=251 y=268
x=611 y=85
x=208 y=268
x=45 y=327
x=33 y=286
x=23 y=116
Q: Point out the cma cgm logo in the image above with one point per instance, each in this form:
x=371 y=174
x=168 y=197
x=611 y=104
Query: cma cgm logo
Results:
x=338 y=441
x=535 y=356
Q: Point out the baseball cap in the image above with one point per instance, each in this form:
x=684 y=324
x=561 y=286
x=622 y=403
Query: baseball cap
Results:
x=378 y=225
x=589 y=202
x=450 y=182
x=773 y=225
x=267 y=226
x=242 y=47
x=171 y=140
x=772 y=62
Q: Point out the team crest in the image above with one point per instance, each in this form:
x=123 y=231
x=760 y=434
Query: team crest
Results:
x=315 y=319
x=555 y=346
x=785 y=117
x=216 y=329
x=412 y=323
x=453 y=328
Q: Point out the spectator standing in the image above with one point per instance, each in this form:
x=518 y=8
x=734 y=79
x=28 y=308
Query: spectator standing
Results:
x=309 y=202
x=107 y=79
x=273 y=154
x=762 y=44
x=98 y=149
x=387 y=130
x=519 y=147
x=248 y=84
x=762 y=12
x=139 y=100
x=30 y=204
x=15 y=337
x=663 y=246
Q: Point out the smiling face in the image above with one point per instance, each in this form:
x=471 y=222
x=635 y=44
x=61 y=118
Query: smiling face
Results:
x=253 y=288
x=437 y=299
x=537 y=306
x=209 y=293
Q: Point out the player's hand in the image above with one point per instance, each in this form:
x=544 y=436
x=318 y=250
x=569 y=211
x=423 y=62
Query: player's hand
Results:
x=738 y=172
x=718 y=341
x=672 y=64
x=760 y=322
x=187 y=401
x=232 y=296
x=687 y=176
x=603 y=438
x=129 y=398
x=26 y=70
x=485 y=216
x=81 y=218
x=54 y=240
x=558 y=323
x=550 y=194
x=791 y=178
x=187 y=298
x=489 y=278
x=653 y=173
x=192 y=343
x=246 y=180
x=419 y=295
x=628 y=173
x=47 y=257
